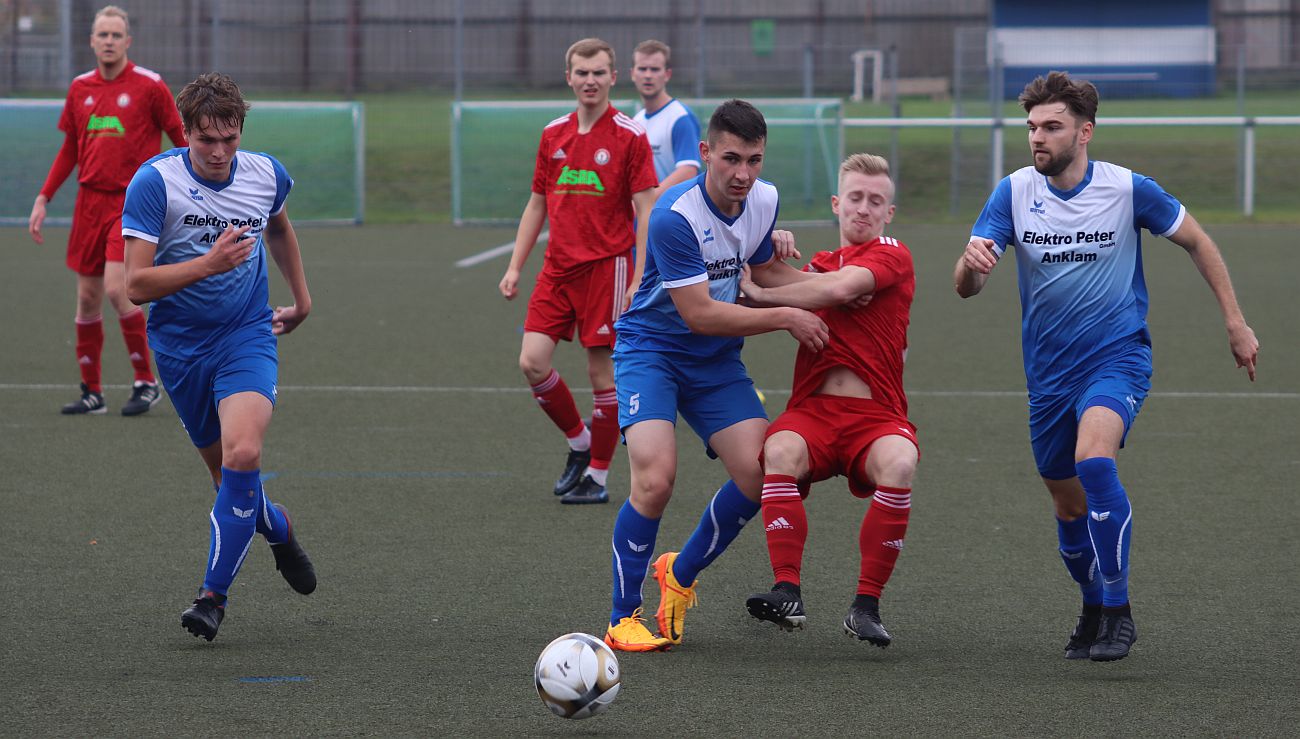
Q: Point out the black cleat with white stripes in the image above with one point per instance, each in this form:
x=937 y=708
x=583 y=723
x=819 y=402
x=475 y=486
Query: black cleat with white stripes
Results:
x=782 y=605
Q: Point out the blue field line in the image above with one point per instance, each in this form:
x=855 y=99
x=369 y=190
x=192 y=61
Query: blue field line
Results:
x=766 y=391
x=276 y=679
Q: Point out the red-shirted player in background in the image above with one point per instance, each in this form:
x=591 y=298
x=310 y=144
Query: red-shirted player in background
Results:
x=593 y=166
x=848 y=413
x=113 y=120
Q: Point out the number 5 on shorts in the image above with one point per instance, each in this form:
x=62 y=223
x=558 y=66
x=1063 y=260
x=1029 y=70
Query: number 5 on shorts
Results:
x=634 y=404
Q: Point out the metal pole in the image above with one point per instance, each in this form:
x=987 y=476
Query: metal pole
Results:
x=896 y=108
x=1241 y=110
x=214 y=38
x=65 y=41
x=995 y=112
x=954 y=158
x=1248 y=185
x=701 y=57
x=460 y=50
x=808 y=132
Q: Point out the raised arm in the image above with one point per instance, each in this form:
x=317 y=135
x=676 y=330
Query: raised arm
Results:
x=974 y=266
x=282 y=243
x=530 y=225
x=1209 y=261
x=704 y=315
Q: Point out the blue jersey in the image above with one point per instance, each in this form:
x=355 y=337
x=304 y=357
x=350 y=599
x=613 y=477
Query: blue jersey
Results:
x=691 y=241
x=1079 y=265
x=169 y=205
x=674 y=135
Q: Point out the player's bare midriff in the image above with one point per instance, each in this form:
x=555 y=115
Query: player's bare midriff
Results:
x=844 y=382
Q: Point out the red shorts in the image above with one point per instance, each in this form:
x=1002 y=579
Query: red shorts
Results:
x=839 y=431
x=590 y=297
x=96 y=231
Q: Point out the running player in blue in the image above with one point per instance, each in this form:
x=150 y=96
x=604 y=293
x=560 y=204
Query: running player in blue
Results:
x=671 y=127
x=678 y=350
x=1075 y=226
x=198 y=223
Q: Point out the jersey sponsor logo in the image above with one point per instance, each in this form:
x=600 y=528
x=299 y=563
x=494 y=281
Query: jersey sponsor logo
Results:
x=1068 y=257
x=721 y=269
x=581 y=177
x=205 y=220
x=123 y=100
x=602 y=156
x=105 y=125
x=1079 y=237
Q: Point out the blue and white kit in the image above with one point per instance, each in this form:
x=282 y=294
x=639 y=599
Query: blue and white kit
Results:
x=674 y=134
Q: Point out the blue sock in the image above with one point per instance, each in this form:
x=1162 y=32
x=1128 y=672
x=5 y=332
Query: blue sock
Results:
x=1080 y=560
x=271 y=521
x=234 y=521
x=726 y=515
x=634 y=545
x=1109 y=525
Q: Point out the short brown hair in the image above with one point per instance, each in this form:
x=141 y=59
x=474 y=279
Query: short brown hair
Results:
x=112 y=11
x=1080 y=96
x=587 y=48
x=653 y=46
x=213 y=96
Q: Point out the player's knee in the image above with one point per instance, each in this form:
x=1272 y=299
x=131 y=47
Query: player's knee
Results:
x=241 y=455
x=784 y=454
x=535 y=370
x=651 y=493
x=895 y=470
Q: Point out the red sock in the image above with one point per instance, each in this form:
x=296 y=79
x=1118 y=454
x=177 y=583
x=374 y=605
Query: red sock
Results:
x=556 y=400
x=90 y=344
x=604 y=428
x=881 y=537
x=786 y=525
x=137 y=343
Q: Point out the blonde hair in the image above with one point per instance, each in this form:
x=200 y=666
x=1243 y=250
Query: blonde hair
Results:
x=653 y=46
x=863 y=163
x=587 y=48
x=112 y=11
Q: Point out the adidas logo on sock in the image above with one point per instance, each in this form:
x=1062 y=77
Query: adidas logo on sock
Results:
x=779 y=523
x=83 y=359
x=894 y=544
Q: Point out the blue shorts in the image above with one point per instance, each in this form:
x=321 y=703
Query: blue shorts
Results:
x=711 y=394
x=1121 y=385
x=245 y=361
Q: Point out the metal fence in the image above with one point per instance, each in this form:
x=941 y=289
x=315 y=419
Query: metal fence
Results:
x=489 y=46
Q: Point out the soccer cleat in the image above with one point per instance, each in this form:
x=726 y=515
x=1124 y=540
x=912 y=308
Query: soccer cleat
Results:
x=631 y=635
x=144 y=395
x=1115 y=636
x=1085 y=633
x=782 y=605
x=673 y=599
x=863 y=622
x=204 y=617
x=586 y=491
x=89 y=404
x=292 y=561
x=574 y=466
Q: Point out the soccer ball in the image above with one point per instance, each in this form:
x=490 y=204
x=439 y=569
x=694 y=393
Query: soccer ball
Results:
x=577 y=676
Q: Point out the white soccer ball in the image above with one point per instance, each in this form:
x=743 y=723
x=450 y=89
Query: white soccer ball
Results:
x=577 y=676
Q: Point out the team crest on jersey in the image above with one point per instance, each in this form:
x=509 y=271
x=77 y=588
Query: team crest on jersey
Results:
x=602 y=156
x=123 y=100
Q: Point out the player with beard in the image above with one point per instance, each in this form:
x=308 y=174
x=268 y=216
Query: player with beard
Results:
x=1075 y=226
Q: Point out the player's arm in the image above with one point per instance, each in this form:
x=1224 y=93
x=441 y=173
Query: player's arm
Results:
x=813 y=292
x=704 y=315
x=1206 y=256
x=643 y=202
x=974 y=266
x=685 y=140
x=683 y=173
x=282 y=243
x=994 y=229
x=64 y=162
x=146 y=282
x=530 y=225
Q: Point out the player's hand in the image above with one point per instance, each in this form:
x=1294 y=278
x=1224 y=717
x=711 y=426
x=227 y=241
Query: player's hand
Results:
x=286 y=319
x=749 y=288
x=509 y=286
x=627 y=297
x=37 y=219
x=1245 y=347
x=783 y=245
x=809 y=330
x=859 y=302
x=230 y=249
x=979 y=256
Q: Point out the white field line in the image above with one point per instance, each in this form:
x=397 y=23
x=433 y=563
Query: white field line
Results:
x=428 y=389
x=495 y=252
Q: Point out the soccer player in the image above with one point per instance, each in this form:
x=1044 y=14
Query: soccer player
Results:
x=1075 y=226
x=848 y=412
x=112 y=122
x=593 y=169
x=679 y=351
x=672 y=128
x=198 y=224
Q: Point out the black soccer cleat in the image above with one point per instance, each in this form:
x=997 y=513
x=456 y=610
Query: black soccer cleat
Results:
x=1115 y=635
x=574 y=466
x=585 y=492
x=292 y=561
x=782 y=605
x=204 y=617
x=89 y=404
x=863 y=622
x=144 y=395
x=1085 y=633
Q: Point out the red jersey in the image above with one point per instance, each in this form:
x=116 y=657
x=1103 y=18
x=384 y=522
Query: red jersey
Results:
x=588 y=181
x=116 y=126
x=872 y=340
